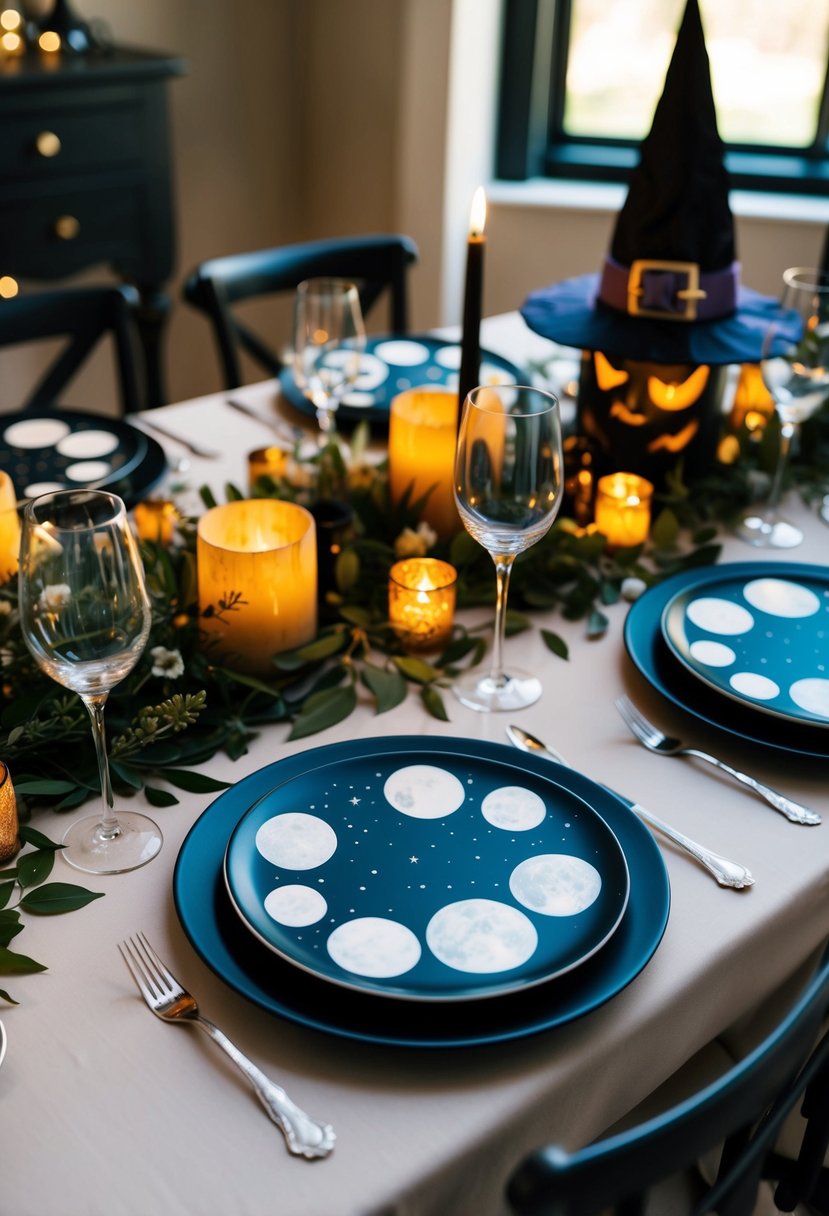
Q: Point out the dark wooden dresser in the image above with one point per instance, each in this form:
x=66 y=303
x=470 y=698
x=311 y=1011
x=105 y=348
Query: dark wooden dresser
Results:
x=85 y=176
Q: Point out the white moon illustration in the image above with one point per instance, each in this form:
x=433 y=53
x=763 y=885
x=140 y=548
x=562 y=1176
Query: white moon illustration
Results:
x=780 y=598
x=296 y=841
x=481 y=936
x=719 y=616
x=295 y=905
x=374 y=946
x=424 y=791
x=712 y=654
x=402 y=352
x=88 y=444
x=812 y=695
x=35 y=433
x=751 y=684
x=88 y=470
x=449 y=357
x=514 y=809
x=555 y=884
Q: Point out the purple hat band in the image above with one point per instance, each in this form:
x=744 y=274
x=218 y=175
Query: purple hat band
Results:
x=669 y=291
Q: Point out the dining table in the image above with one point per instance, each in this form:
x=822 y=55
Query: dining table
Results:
x=104 y=1109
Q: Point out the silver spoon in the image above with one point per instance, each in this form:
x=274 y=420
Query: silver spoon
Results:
x=727 y=873
x=2 y=1042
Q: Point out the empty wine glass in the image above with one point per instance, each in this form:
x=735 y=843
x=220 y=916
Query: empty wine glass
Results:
x=508 y=486
x=85 y=616
x=329 y=340
x=795 y=369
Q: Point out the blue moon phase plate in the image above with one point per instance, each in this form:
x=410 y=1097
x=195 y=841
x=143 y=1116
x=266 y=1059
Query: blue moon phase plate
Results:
x=761 y=640
x=392 y=364
x=236 y=955
x=427 y=877
x=655 y=660
x=62 y=449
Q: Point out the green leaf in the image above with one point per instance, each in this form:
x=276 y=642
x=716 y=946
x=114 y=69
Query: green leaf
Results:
x=323 y=647
x=389 y=687
x=5 y=997
x=434 y=702
x=324 y=709
x=55 y=897
x=127 y=774
x=356 y=616
x=33 y=868
x=665 y=530
x=157 y=797
x=32 y=836
x=194 y=783
x=43 y=787
x=6 y=892
x=515 y=623
x=555 y=643
x=457 y=649
x=415 y=669
x=10 y=925
x=17 y=964
x=347 y=569
x=597 y=624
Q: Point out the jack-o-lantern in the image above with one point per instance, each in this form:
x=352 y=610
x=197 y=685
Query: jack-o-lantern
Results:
x=645 y=417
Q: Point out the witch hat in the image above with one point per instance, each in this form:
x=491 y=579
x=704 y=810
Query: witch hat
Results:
x=669 y=291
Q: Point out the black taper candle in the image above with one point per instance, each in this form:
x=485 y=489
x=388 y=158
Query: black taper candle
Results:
x=472 y=300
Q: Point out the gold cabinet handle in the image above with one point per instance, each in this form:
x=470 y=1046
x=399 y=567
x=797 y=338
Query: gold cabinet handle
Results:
x=67 y=227
x=48 y=144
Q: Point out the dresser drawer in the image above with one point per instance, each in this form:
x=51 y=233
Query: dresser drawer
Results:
x=43 y=142
x=57 y=235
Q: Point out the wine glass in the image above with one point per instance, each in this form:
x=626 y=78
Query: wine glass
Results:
x=85 y=616
x=795 y=369
x=329 y=340
x=508 y=486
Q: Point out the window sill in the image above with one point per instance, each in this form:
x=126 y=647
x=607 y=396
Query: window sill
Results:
x=608 y=197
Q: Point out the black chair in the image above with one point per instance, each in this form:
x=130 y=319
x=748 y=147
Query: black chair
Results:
x=84 y=317
x=743 y=1110
x=376 y=263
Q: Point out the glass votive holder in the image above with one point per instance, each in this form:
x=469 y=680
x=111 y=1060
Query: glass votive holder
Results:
x=623 y=508
x=422 y=593
x=266 y=462
x=155 y=520
x=257 y=575
x=9 y=529
x=9 y=826
x=423 y=430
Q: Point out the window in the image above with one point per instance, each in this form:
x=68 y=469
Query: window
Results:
x=580 y=80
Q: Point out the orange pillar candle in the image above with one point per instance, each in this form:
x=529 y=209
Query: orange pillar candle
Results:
x=9 y=529
x=155 y=520
x=422 y=439
x=9 y=839
x=257 y=574
x=422 y=602
x=623 y=508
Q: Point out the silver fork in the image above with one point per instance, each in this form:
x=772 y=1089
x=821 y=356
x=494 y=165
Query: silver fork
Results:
x=666 y=745
x=171 y=1002
x=196 y=449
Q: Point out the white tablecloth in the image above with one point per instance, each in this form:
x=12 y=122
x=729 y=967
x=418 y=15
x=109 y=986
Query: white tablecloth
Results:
x=103 y=1109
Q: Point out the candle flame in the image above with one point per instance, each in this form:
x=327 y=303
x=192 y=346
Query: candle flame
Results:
x=477 y=215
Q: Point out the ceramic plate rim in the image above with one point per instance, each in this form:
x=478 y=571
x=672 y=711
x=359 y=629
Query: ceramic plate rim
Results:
x=238 y=960
x=398 y=992
x=673 y=606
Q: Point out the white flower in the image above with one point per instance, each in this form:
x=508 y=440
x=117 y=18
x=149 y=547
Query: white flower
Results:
x=55 y=596
x=168 y=664
x=5 y=608
x=415 y=544
x=632 y=588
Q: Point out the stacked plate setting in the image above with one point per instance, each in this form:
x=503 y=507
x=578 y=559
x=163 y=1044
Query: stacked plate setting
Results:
x=422 y=894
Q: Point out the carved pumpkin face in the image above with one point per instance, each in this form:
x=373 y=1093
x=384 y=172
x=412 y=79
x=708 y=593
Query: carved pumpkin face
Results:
x=644 y=417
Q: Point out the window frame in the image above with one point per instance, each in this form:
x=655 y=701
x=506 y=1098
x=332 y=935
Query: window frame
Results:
x=531 y=141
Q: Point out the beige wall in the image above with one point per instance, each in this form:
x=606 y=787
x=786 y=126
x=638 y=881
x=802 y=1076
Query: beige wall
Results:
x=304 y=118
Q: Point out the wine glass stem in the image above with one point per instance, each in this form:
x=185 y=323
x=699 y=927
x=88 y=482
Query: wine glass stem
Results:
x=787 y=432
x=503 y=569
x=109 y=827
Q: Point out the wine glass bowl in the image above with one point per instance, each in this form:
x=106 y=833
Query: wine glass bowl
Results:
x=329 y=340
x=85 y=617
x=795 y=370
x=508 y=487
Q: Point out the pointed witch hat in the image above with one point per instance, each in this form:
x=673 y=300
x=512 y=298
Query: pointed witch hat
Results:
x=669 y=291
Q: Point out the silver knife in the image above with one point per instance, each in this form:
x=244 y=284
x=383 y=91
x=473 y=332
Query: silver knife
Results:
x=285 y=430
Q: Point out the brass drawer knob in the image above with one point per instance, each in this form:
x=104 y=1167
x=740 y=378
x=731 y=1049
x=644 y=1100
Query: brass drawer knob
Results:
x=67 y=227
x=48 y=144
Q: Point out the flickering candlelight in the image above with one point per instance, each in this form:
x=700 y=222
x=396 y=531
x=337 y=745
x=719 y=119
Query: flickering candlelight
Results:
x=155 y=520
x=623 y=508
x=422 y=601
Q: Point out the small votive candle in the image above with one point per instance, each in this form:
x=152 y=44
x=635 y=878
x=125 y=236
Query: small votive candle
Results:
x=257 y=575
x=9 y=839
x=9 y=529
x=266 y=462
x=623 y=508
x=155 y=520
x=423 y=429
x=422 y=601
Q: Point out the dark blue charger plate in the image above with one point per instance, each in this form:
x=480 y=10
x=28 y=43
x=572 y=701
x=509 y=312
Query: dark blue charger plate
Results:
x=394 y=363
x=651 y=655
x=229 y=948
